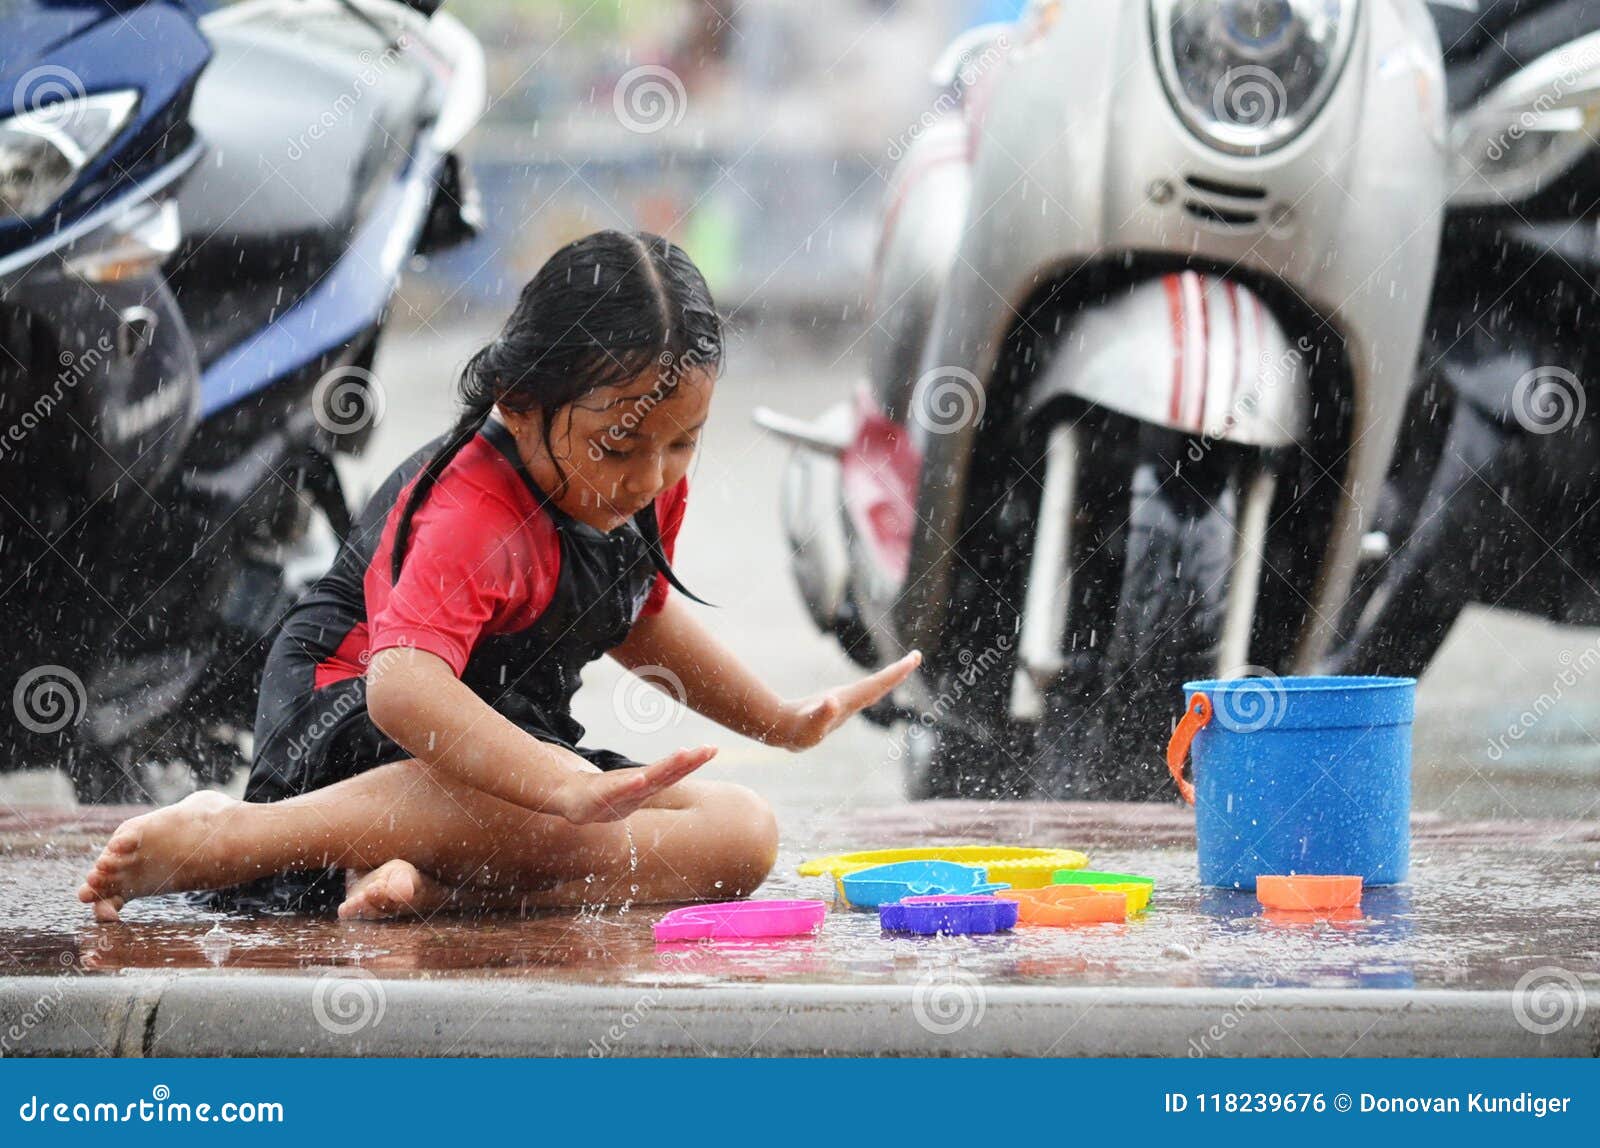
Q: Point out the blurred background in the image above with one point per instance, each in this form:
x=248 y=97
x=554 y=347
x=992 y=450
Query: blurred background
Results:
x=769 y=164
x=761 y=135
x=758 y=136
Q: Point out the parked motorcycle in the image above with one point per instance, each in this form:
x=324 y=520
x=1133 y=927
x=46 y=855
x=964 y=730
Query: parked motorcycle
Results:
x=1492 y=491
x=1149 y=299
x=203 y=216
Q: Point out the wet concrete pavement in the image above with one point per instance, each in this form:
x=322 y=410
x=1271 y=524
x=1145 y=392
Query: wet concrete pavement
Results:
x=1494 y=942
x=1486 y=902
x=1494 y=946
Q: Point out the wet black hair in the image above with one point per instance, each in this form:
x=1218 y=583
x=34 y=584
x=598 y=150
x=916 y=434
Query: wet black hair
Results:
x=601 y=312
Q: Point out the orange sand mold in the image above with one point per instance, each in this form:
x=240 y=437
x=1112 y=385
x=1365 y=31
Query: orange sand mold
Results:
x=1062 y=905
x=1304 y=894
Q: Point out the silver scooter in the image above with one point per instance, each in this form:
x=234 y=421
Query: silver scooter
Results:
x=1147 y=300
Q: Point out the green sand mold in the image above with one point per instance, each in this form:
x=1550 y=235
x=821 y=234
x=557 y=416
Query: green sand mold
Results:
x=1090 y=877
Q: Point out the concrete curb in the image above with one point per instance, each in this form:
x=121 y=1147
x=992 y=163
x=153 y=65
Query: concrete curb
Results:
x=348 y=1012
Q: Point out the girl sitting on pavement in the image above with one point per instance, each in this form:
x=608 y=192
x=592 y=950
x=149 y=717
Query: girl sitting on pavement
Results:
x=414 y=742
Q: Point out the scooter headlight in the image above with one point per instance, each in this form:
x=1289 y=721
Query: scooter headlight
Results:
x=43 y=149
x=1247 y=76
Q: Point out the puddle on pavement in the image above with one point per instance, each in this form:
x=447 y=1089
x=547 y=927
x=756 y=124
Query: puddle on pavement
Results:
x=1473 y=916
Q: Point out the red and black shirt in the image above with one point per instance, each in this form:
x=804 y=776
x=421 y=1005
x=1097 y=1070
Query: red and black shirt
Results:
x=516 y=596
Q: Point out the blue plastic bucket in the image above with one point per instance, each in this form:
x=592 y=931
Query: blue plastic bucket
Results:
x=1298 y=775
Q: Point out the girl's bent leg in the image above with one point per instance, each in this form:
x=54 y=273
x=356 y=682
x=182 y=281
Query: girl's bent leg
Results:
x=697 y=840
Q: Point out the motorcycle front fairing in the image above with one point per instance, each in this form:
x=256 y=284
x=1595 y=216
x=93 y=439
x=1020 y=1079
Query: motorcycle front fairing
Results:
x=1081 y=164
x=83 y=275
x=60 y=53
x=99 y=385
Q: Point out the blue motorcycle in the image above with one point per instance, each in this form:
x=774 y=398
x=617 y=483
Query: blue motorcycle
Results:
x=203 y=217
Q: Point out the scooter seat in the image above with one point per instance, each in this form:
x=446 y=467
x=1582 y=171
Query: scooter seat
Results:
x=300 y=121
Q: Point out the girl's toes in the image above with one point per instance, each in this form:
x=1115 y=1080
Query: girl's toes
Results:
x=125 y=840
x=373 y=894
x=106 y=910
x=394 y=889
x=400 y=890
x=388 y=895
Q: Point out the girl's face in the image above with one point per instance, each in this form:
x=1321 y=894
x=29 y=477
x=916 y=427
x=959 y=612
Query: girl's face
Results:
x=614 y=450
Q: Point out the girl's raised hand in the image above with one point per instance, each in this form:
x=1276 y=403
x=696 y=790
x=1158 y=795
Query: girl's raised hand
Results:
x=611 y=796
x=806 y=722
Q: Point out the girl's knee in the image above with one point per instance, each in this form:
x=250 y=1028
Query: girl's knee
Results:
x=747 y=836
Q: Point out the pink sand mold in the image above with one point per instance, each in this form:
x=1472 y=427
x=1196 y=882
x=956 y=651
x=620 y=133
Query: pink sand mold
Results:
x=742 y=921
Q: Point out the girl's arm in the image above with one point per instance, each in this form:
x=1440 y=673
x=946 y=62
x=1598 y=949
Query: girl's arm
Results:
x=415 y=698
x=721 y=687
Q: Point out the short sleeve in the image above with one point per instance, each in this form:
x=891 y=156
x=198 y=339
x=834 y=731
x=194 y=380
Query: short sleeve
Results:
x=464 y=575
x=671 y=507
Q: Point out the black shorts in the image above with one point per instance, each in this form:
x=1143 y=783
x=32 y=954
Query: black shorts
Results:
x=308 y=738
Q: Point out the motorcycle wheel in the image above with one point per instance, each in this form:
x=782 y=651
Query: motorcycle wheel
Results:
x=965 y=743
x=1438 y=512
x=943 y=762
x=1107 y=719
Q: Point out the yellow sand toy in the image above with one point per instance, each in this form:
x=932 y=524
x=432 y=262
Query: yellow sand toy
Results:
x=1138 y=895
x=1019 y=867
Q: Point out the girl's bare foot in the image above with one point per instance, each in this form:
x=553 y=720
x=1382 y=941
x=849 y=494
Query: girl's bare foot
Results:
x=172 y=849
x=394 y=889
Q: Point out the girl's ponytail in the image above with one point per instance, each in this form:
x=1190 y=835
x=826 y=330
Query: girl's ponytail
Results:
x=478 y=403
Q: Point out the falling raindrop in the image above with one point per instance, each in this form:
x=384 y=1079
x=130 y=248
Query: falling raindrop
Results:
x=216 y=944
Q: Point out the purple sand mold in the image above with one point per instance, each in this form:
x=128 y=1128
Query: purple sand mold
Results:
x=952 y=915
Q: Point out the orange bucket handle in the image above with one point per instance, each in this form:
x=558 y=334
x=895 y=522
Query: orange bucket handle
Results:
x=1194 y=720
